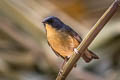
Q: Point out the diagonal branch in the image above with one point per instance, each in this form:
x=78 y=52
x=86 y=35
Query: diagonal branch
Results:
x=88 y=39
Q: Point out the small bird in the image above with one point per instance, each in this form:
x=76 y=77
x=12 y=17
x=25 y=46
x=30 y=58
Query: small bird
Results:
x=64 y=40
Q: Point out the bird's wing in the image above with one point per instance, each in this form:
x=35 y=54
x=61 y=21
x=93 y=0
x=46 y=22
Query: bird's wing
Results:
x=54 y=50
x=73 y=33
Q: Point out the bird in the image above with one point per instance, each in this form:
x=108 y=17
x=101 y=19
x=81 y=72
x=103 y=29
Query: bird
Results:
x=64 y=40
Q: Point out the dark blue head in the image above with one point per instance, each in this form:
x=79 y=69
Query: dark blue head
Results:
x=54 y=22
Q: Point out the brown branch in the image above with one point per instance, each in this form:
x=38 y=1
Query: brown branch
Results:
x=88 y=39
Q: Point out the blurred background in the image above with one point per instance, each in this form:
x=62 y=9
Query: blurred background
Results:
x=25 y=54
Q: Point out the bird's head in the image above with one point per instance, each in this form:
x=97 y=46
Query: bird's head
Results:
x=53 y=21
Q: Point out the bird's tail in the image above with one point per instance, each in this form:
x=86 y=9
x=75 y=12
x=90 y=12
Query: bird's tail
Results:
x=89 y=55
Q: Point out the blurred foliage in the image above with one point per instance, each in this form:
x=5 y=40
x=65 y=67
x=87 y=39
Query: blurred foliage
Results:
x=25 y=55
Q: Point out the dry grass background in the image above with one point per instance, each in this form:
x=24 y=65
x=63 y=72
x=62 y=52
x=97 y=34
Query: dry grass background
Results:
x=25 y=55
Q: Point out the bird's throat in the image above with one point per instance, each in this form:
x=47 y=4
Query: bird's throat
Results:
x=50 y=30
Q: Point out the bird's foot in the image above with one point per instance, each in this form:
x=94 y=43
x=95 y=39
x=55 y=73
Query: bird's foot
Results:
x=60 y=72
x=76 y=51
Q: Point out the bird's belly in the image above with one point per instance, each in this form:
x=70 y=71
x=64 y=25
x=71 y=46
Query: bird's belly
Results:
x=63 y=44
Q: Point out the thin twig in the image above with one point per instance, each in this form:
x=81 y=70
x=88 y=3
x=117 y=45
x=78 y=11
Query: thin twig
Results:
x=88 y=39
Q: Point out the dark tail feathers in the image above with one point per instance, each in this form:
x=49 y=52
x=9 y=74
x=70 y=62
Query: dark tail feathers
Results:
x=88 y=56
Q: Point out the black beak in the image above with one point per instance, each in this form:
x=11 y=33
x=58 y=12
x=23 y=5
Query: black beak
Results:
x=43 y=22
